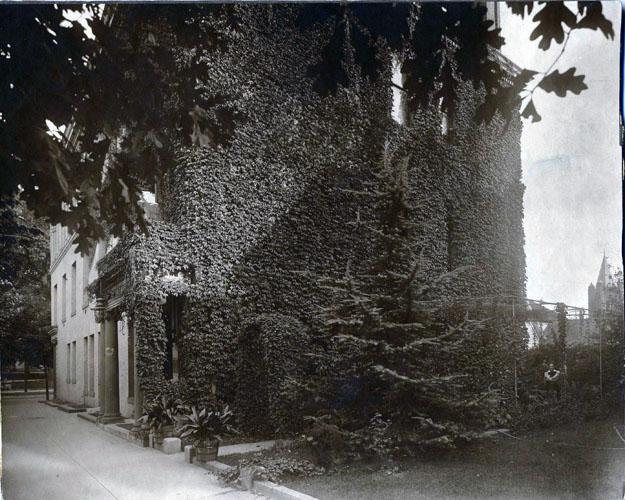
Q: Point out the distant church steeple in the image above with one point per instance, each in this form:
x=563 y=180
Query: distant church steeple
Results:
x=598 y=293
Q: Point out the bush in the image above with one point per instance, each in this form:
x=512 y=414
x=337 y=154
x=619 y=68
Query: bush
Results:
x=581 y=406
x=271 y=468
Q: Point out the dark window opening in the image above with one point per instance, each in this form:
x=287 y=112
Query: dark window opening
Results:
x=172 y=317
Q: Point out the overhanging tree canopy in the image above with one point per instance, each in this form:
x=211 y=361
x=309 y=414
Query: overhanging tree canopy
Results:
x=132 y=90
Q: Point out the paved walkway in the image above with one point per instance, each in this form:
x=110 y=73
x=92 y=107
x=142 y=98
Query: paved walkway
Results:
x=48 y=454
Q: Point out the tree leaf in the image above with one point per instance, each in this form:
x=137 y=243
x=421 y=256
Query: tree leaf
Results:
x=560 y=83
x=594 y=19
x=550 y=19
x=530 y=112
x=518 y=8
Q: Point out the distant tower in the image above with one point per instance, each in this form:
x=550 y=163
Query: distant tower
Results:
x=607 y=283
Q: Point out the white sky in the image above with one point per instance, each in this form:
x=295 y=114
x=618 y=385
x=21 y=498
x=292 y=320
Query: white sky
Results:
x=571 y=163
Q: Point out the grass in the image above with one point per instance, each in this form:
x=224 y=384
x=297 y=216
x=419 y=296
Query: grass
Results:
x=578 y=461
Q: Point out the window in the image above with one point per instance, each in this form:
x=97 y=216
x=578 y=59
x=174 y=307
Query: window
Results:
x=85 y=366
x=91 y=362
x=73 y=289
x=87 y=261
x=172 y=316
x=447 y=128
x=68 y=377
x=63 y=298
x=74 y=362
x=55 y=298
x=398 y=112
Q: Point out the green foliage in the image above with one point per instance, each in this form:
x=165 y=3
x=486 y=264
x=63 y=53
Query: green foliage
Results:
x=256 y=224
x=395 y=359
x=205 y=425
x=160 y=412
x=581 y=405
x=158 y=65
x=269 y=364
x=24 y=286
x=561 y=83
x=271 y=468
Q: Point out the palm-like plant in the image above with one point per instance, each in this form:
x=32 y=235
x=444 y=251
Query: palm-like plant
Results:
x=159 y=413
x=206 y=426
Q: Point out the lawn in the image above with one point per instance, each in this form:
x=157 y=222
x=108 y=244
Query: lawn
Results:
x=581 y=461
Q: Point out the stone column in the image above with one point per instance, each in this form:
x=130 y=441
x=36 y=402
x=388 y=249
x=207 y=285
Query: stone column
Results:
x=55 y=347
x=101 y=368
x=111 y=368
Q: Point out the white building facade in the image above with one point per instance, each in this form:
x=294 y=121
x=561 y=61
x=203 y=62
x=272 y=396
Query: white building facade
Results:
x=77 y=338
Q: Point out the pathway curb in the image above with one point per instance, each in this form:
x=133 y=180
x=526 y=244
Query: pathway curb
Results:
x=266 y=488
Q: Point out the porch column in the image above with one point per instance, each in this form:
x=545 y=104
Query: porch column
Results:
x=111 y=367
x=99 y=310
x=101 y=368
x=52 y=375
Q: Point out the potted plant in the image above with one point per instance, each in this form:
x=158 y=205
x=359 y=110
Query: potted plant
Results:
x=204 y=429
x=159 y=416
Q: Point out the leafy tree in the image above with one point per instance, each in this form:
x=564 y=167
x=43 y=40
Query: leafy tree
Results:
x=24 y=289
x=396 y=353
x=130 y=86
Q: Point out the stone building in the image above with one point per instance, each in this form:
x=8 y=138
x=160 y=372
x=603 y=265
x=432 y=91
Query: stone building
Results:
x=78 y=340
x=75 y=334
x=241 y=234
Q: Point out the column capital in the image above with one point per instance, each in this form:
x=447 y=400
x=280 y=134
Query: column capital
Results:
x=99 y=309
x=113 y=315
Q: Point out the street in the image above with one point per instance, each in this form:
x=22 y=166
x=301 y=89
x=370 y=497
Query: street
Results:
x=54 y=455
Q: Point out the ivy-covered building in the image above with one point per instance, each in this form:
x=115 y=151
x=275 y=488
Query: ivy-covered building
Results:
x=222 y=297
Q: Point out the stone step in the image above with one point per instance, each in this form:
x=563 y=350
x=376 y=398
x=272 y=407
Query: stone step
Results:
x=72 y=409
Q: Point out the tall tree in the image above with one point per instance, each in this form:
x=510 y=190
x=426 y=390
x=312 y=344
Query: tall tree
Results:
x=400 y=352
x=24 y=287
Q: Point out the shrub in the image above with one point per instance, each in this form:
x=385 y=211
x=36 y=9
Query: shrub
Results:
x=160 y=412
x=205 y=425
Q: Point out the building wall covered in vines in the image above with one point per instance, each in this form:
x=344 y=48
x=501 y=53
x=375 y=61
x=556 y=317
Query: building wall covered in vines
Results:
x=254 y=224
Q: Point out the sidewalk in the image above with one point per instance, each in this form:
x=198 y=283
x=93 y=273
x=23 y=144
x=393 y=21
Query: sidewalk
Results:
x=57 y=456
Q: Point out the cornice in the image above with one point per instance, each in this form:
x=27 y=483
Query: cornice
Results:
x=66 y=246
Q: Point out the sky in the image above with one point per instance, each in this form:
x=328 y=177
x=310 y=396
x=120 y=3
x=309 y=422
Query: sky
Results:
x=571 y=163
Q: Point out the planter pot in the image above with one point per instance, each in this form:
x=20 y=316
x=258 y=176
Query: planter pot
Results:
x=165 y=432
x=207 y=452
x=159 y=437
